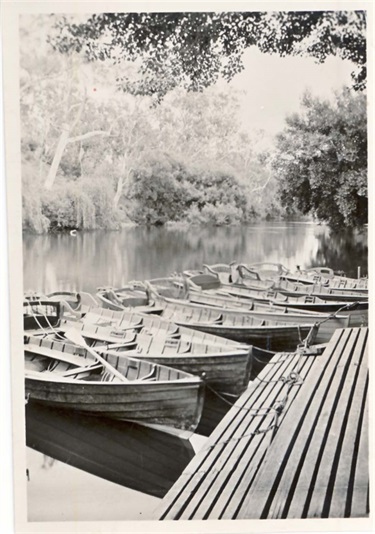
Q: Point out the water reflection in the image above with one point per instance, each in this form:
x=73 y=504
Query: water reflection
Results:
x=89 y=260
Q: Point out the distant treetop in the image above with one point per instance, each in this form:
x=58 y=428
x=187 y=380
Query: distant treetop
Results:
x=194 y=49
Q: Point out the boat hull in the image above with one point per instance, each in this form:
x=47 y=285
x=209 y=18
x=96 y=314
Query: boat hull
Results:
x=173 y=405
x=225 y=372
x=275 y=338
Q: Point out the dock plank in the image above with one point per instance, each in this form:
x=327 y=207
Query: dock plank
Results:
x=296 y=430
x=205 y=459
x=314 y=465
x=249 y=462
x=300 y=477
x=339 y=496
x=251 y=427
x=360 y=500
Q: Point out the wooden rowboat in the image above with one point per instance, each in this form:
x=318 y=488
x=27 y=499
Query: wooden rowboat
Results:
x=63 y=375
x=319 y=276
x=232 y=324
x=127 y=297
x=300 y=302
x=225 y=367
x=39 y=313
x=235 y=325
x=267 y=311
x=190 y=293
x=317 y=290
x=326 y=277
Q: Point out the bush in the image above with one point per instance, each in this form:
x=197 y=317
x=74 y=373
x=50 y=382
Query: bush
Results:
x=85 y=204
x=169 y=191
x=219 y=214
x=33 y=219
x=159 y=193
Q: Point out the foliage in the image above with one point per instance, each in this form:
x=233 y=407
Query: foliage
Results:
x=90 y=207
x=33 y=219
x=185 y=159
x=158 y=194
x=166 y=190
x=321 y=162
x=194 y=49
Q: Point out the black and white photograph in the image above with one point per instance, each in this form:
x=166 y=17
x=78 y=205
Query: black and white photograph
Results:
x=187 y=272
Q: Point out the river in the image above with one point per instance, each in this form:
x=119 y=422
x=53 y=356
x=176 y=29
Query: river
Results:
x=92 y=259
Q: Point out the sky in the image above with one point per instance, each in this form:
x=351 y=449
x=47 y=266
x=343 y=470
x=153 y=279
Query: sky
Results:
x=274 y=86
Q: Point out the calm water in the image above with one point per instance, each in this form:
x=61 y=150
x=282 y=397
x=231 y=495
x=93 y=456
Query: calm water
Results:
x=90 y=260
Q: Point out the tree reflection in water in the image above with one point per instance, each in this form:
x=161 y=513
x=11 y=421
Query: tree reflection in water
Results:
x=93 y=259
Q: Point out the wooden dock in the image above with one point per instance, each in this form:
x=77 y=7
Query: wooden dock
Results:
x=295 y=445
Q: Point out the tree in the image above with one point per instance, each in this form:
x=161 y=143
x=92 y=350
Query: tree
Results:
x=54 y=97
x=193 y=49
x=321 y=159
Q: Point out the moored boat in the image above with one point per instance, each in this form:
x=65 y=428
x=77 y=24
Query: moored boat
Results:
x=64 y=375
x=178 y=290
x=261 y=310
x=235 y=325
x=327 y=277
x=127 y=297
x=225 y=367
x=38 y=313
x=318 y=290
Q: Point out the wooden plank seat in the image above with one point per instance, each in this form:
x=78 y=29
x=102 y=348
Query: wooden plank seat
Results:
x=74 y=359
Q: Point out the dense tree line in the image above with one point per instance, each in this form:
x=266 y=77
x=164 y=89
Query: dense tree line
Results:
x=321 y=160
x=170 y=146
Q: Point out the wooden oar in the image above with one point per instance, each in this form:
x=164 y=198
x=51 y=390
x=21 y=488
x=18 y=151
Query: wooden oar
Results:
x=73 y=335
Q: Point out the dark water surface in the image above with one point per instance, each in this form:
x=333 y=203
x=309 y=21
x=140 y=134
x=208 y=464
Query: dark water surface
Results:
x=92 y=259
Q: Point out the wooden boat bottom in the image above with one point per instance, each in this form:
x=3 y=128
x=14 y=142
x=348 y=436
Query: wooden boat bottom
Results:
x=276 y=338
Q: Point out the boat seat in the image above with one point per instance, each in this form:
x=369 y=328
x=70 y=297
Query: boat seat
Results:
x=215 y=320
x=55 y=354
x=79 y=370
x=150 y=376
x=143 y=344
x=173 y=346
x=206 y=281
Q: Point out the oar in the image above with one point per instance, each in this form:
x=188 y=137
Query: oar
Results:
x=73 y=335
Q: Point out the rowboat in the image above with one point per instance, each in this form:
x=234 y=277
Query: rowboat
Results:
x=318 y=290
x=261 y=305
x=303 y=302
x=40 y=313
x=220 y=273
x=70 y=303
x=339 y=289
x=261 y=310
x=231 y=324
x=225 y=366
x=264 y=271
x=64 y=375
x=235 y=325
x=127 y=297
x=326 y=277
